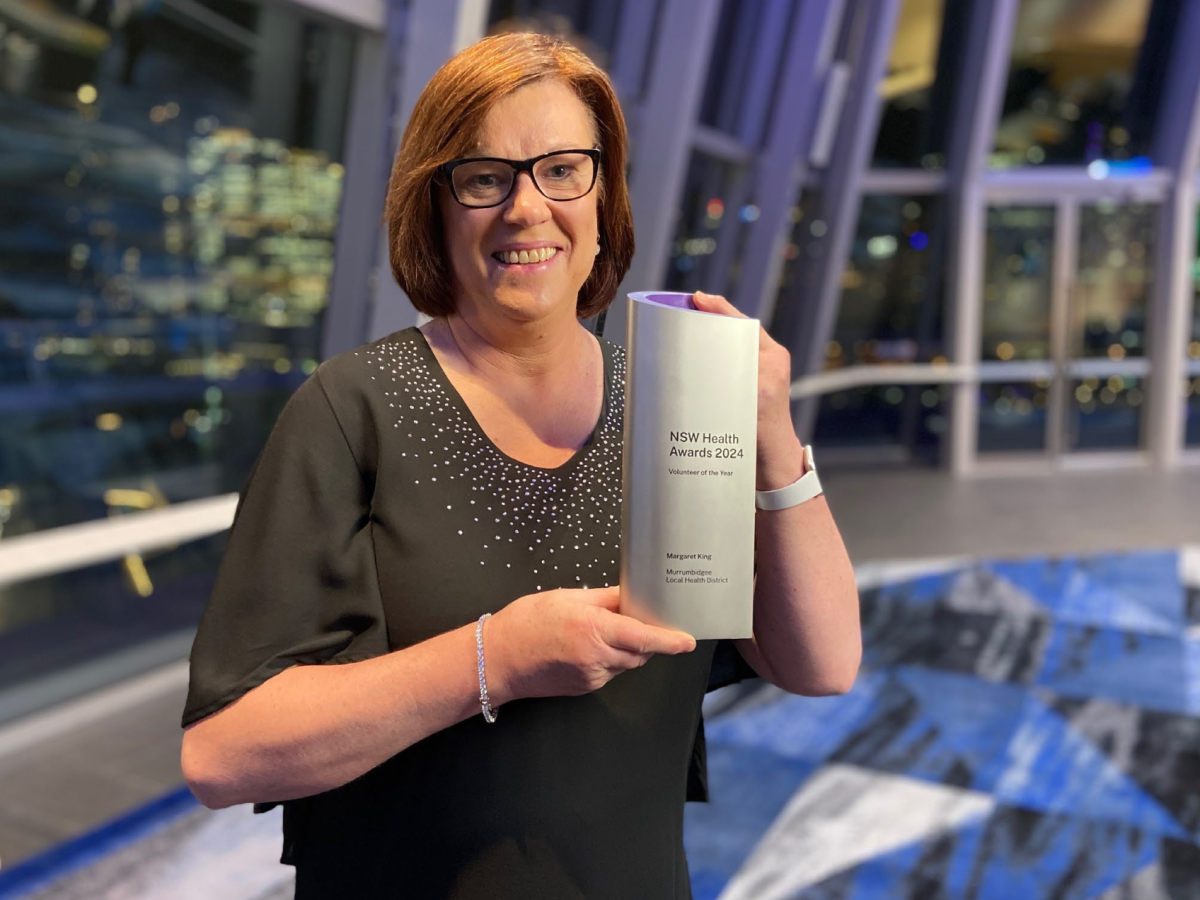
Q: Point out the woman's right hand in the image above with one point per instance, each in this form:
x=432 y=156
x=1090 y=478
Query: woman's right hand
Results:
x=567 y=643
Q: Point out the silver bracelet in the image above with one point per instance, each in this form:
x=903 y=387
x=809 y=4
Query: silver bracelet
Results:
x=489 y=714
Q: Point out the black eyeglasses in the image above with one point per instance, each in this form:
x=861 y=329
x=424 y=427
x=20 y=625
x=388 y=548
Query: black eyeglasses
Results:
x=483 y=181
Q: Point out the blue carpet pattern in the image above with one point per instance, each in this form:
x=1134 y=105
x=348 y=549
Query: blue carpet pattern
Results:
x=1023 y=729
x=1019 y=731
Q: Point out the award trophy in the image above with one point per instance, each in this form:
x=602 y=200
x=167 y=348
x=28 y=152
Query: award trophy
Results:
x=687 y=519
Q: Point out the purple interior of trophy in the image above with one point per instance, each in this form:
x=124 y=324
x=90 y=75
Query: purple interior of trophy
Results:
x=679 y=301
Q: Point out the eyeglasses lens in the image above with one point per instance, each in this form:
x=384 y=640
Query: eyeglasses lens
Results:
x=564 y=176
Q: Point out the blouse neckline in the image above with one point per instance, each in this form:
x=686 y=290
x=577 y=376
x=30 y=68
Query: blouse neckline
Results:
x=461 y=405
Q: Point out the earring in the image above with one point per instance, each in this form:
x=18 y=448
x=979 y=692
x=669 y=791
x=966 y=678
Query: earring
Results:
x=597 y=248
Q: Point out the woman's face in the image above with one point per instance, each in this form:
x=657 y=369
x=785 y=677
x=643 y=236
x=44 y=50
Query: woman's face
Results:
x=535 y=119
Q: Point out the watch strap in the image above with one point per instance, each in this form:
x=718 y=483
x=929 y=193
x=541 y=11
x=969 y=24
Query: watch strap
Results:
x=803 y=488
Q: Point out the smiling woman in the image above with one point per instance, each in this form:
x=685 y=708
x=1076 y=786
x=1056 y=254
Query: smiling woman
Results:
x=438 y=513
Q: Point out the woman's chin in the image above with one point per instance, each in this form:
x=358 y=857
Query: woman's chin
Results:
x=528 y=305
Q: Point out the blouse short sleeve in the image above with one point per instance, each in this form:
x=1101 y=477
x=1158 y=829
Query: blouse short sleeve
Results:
x=728 y=666
x=297 y=584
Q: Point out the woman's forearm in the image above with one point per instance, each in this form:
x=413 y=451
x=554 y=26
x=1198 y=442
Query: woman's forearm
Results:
x=807 y=636
x=313 y=728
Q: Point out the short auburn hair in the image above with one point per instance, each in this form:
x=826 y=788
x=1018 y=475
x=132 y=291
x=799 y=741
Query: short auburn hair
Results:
x=444 y=126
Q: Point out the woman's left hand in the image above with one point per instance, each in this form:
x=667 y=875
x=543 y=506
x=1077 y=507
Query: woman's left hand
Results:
x=780 y=460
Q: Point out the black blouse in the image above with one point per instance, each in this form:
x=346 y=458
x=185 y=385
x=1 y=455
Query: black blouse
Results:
x=378 y=515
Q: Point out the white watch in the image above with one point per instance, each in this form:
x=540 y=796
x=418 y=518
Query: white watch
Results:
x=803 y=488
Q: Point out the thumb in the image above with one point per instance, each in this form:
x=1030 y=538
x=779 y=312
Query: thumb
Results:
x=716 y=303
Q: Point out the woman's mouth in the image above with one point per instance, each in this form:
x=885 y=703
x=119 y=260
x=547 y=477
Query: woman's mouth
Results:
x=525 y=257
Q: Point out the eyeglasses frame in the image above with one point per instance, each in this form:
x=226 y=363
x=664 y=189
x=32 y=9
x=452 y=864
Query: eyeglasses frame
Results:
x=519 y=166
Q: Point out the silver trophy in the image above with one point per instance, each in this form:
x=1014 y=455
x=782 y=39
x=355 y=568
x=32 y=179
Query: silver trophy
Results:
x=687 y=524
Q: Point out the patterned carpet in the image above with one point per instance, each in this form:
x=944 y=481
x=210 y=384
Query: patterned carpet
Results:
x=1020 y=730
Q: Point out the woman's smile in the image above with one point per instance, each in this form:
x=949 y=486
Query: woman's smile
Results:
x=530 y=261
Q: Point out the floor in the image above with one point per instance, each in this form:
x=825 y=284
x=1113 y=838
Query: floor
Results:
x=902 y=515
x=60 y=786
x=70 y=783
x=1022 y=728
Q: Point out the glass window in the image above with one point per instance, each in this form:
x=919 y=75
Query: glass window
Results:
x=589 y=24
x=1018 y=282
x=1105 y=413
x=892 y=291
x=52 y=623
x=728 y=102
x=908 y=418
x=1083 y=82
x=916 y=89
x=1194 y=344
x=1115 y=280
x=169 y=192
x=712 y=227
x=1012 y=416
x=1191 y=393
x=808 y=240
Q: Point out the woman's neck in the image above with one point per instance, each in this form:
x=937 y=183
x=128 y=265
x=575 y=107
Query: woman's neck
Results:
x=528 y=352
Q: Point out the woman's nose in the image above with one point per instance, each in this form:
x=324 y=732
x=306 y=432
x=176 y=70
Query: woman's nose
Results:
x=527 y=204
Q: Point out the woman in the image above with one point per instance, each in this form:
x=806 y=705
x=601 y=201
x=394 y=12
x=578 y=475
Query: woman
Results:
x=417 y=485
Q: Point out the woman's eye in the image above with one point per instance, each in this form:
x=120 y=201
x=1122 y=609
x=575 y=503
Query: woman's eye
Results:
x=559 y=171
x=482 y=181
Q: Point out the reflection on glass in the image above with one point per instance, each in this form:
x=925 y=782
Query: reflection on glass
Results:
x=892 y=292
x=1104 y=413
x=168 y=202
x=1116 y=274
x=1077 y=91
x=911 y=417
x=74 y=617
x=712 y=227
x=915 y=90
x=1194 y=344
x=807 y=241
x=1017 y=282
x=1012 y=416
x=730 y=99
x=1191 y=393
x=590 y=25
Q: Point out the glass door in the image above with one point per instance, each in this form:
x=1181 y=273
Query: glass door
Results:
x=1063 y=327
x=1103 y=358
x=1016 y=399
